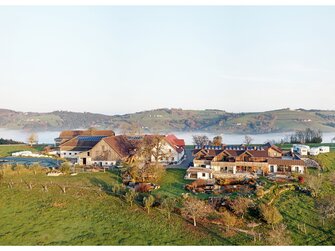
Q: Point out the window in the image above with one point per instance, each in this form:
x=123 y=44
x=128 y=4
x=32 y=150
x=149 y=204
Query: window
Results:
x=88 y=153
x=203 y=174
x=70 y=153
x=172 y=158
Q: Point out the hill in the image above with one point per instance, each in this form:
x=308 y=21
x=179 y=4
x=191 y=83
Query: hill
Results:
x=167 y=120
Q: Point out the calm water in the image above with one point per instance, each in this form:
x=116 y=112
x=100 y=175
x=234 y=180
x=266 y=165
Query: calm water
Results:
x=48 y=136
x=46 y=162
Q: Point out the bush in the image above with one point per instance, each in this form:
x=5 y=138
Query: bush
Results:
x=270 y=214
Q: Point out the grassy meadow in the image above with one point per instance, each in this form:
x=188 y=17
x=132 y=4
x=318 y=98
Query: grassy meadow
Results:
x=88 y=215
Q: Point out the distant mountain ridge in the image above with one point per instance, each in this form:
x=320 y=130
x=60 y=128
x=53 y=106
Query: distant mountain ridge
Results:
x=174 y=120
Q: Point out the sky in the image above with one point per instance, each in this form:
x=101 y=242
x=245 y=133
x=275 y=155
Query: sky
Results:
x=117 y=60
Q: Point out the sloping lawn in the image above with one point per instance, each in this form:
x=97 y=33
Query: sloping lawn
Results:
x=85 y=217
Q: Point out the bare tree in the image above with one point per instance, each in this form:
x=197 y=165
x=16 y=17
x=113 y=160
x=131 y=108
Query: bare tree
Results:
x=168 y=206
x=153 y=147
x=314 y=183
x=279 y=236
x=195 y=209
x=200 y=140
x=241 y=205
x=32 y=139
x=248 y=139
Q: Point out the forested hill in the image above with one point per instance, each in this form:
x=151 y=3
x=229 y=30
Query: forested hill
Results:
x=168 y=120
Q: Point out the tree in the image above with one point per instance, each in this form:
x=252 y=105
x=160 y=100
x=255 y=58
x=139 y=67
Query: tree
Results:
x=148 y=202
x=248 y=139
x=307 y=136
x=314 y=183
x=229 y=220
x=241 y=205
x=153 y=147
x=195 y=209
x=130 y=197
x=200 y=140
x=279 y=236
x=168 y=206
x=32 y=139
x=326 y=207
x=217 y=141
x=270 y=214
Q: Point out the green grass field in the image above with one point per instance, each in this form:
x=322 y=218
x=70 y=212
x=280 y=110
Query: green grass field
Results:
x=7 y=150
x=87 y=216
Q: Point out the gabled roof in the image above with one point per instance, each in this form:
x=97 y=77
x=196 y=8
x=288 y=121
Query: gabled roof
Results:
x=120 y=144
x=178 y=142
x=81 y=143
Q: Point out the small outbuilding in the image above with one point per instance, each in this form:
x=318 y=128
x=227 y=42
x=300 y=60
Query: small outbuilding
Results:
x=194 y=173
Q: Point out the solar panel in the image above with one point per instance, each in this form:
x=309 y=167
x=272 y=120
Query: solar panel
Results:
x=91 y=138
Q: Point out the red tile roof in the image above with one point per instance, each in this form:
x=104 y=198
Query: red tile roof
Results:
x=175 y=140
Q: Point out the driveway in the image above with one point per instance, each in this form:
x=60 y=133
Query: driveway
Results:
x=186 y=162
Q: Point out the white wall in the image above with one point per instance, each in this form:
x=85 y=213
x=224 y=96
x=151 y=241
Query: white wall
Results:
x=300 y=169
x=69 y=154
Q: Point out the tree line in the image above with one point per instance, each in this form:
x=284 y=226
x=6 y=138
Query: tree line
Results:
x=307 y=136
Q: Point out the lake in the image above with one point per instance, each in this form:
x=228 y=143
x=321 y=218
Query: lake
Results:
x=47 y=137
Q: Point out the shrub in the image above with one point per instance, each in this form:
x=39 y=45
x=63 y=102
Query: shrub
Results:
x=270 y=214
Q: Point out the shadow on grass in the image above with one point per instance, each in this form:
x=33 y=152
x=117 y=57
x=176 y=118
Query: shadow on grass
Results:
x=103 y=185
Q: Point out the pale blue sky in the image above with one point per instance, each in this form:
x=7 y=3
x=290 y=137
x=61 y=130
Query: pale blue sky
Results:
x=125 y=59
